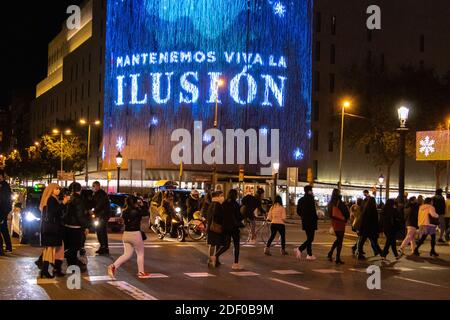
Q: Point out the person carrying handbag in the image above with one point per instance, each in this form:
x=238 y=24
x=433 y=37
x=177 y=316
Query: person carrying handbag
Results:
x=133 y=240
x=52 y=231
x=216 y=235
x=339 y=217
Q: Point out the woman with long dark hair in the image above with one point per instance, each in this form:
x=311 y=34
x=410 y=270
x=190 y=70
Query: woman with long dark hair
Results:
x=132 y=238
x=233 y=222
x=339 y=216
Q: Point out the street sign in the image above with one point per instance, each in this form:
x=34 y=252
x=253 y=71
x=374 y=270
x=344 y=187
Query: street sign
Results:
x=292 y=174
x=432 y=146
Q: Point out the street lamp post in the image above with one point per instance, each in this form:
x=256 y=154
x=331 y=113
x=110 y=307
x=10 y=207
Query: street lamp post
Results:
x=275 y=171
x=96 y=123
x=62 y=133
x=403 y=114
x=219 y=84
x=345 y=104
x=119 y=161
x=380 y=182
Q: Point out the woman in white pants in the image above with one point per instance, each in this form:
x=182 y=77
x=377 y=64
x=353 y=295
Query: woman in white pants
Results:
x=411 y=219
x=132 y=238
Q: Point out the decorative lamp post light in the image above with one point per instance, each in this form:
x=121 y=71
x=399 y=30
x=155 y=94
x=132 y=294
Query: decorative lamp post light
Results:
x=380 y=182
x=403 y=114
x=119 y=161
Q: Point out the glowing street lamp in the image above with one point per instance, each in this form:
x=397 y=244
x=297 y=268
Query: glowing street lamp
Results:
x=89 y=124
x=119 y=162
x=345 y=105
x=403 y=114
x=448 y=148
x=380 y=182
x=219 y=83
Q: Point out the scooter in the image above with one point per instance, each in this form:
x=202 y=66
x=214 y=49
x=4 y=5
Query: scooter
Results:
x=176 y=231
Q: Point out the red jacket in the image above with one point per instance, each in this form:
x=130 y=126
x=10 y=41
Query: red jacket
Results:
x=338 y=221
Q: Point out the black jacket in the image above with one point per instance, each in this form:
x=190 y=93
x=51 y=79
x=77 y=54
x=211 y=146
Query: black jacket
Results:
x=233 y=217
x=101 y=204
x=306 y=209
x=5 y=200
x=192 y=205
x=216 y=213
x=369 y=222
x=51 y=224
x=132 y=218
x=412 y=215
x=439 y=205
x=76 y=214
x=389 y=220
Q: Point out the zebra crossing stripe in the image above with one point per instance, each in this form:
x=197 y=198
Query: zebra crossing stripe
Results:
x=245 y=274
x=98 y=278
x=199 y=275
x=287 y=272
x=41 y=282
x=132 y=291
x=328 y=271
x=290 y=284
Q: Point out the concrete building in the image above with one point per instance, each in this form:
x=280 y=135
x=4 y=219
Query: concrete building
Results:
x=414 y=33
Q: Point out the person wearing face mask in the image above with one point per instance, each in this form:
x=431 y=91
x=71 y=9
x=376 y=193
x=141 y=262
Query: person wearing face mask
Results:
x=217 y=239
x=306 y=209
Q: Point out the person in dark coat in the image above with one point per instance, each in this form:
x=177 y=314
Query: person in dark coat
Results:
x=102 y=207
x=306 y=209
x=439 y=205
x=390 y=227
x=339 y=214
x=5 y=209
x=192 y=204
x=217 y=238
x=412 y=224
x=370 y=228
x=233 y=218
x=76 y=225
x=52 y=231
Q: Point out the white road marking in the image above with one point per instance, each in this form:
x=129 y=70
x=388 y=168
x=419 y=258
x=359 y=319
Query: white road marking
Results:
x=248 y=246
x=358 y=270
x=158 y=276
x=421 y=282
x=399 y=269
x=245 y=274
x=98 y=278
x=434 y=268
x=287 y=272
x=132 y=291
x=328 y=271
x=41 y=282
x=199 y=275
x=290 y=284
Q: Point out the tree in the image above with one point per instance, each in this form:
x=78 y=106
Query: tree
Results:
x=377 y=94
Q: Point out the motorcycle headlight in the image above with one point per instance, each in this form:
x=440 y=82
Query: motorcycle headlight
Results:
x=178 y=210
x=119 y=210
x=15 y=197
x=96 y=223
x=174 y=221
x=29 y=216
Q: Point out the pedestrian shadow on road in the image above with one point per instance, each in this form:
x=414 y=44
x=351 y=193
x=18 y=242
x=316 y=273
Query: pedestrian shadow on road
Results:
x=430 y=260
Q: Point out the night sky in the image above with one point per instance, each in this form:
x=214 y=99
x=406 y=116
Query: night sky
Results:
x=26 y=29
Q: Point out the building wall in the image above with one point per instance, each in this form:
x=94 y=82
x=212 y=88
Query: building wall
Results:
x=73 y=89
x=410 y=35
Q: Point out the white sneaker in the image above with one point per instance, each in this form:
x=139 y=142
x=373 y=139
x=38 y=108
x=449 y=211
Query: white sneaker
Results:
x=311 y=258
x=236 y=266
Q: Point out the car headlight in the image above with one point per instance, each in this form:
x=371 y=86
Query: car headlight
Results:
x=119 y=210
x=96 y=223
x=29 y=216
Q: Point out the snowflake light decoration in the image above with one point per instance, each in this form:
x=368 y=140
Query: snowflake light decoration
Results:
x=207 y=138
x=154 y=121
x=279 y=9
x=299 y=154
x=427 y=146
x=103 y=153
x=120 y=144
x=310 y=134
x=264 y=131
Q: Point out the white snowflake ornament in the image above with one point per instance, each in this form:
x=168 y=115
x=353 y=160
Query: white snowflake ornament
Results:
x=427 y=146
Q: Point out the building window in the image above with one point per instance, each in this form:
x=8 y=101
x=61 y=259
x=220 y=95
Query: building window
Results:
x=89 y=89
x=422 y=43
x=331 y=142
x=76 y=72
x=71 y=96
x=101 y=28
x=367 y=149
x=333 y=54
x=151 y=136
x=71 y=73
x=65 y=100
x=82 y=67
x=316 y=140
x=100 y=83
x=332 y=82
x=316 y=111
x=89 y=62
x=333 y=25
x=369 y=59
x=82 y=91
x=316 y=169
x=76 y=95
x=101 y=55
x=317 y=51
x=317 y=81
x=382 y=63
x=99 y=110
x=369 y=35
x=318 y=22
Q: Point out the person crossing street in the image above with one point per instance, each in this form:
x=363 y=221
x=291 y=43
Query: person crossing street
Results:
x=101 y=210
